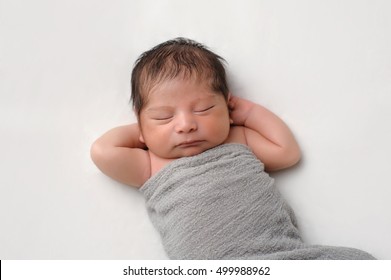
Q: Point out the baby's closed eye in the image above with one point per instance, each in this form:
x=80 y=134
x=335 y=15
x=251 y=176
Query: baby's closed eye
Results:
x=202 y=109
x=162 y=117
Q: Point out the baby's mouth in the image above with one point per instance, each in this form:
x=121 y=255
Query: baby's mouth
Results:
x=191 y=143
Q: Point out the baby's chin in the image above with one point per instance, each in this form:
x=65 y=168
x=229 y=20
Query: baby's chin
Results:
x=183 y=151
x=190 y=151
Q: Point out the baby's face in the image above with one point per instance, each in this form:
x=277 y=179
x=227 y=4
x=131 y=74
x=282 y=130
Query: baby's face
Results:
x=183 y=117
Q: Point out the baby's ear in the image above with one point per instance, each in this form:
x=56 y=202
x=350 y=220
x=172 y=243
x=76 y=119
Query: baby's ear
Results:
x=230 y=108
x=141 y=138
x=229 y=97
x=229 y=101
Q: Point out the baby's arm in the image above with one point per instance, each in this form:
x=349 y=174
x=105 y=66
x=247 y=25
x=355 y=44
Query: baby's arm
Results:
x=265 y=133
x=120 y=155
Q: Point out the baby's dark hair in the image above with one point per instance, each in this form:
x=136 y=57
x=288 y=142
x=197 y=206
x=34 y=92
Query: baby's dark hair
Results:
x=178 y=57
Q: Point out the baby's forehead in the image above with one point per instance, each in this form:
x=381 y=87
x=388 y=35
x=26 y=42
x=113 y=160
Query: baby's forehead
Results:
x=179 y=83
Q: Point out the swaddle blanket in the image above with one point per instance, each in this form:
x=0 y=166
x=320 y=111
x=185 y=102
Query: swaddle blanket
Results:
x=220 y=204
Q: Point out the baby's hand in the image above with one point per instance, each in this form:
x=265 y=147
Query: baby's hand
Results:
x=239 y=109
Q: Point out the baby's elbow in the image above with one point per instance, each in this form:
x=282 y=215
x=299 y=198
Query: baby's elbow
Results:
x=96 y=153
x=282 y=159
x=293 y=156
x=286 y=158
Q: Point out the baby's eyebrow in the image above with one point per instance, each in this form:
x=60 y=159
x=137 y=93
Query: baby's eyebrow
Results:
x=158 y=108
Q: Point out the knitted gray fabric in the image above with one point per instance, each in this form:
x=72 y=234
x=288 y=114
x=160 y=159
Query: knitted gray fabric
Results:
x=221 y=204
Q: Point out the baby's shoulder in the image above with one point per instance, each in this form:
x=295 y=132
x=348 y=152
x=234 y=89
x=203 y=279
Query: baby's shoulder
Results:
x=156 y=163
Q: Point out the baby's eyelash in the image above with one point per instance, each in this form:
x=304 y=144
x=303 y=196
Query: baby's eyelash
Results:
x=162 y=118
x=204 y=110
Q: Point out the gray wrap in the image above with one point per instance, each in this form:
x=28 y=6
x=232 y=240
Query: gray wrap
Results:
x=221 y=204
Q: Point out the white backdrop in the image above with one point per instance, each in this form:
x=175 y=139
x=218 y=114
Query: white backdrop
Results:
x=323 y=66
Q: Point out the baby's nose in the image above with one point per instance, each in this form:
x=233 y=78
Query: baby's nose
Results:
x=186 y=123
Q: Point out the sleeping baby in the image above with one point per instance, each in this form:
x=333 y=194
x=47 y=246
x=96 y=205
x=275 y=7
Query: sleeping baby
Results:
x=200 y=155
